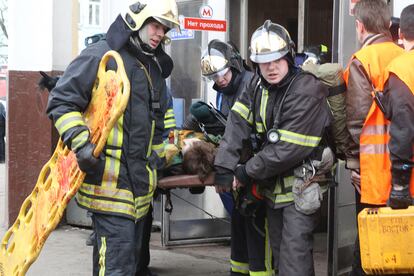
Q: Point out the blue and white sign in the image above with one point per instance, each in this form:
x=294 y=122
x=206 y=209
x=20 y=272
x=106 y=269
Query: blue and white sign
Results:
x=185 y=34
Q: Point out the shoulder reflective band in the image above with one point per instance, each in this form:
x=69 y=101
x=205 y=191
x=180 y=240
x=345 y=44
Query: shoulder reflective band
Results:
x=243 y=111
x=299 y=139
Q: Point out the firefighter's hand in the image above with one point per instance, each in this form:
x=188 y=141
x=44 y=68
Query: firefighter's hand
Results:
x=399 y=197
x=223 y=180
x=242 y=176
x=86 y=161
x=356 y=180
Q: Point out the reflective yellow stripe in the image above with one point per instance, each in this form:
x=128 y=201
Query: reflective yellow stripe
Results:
x=299 y=139
x=268 y=249
x=282 y=198
x=263 y=105
x=112 y=167
x=277 y=195
x=102 y=256
x=170 y=123
x=68 y=121
x=80 y=140
x=260 y=128
x=142 y=212
x=159 y=149
x=261 y=273
x=106 y=205
x=243 y=111
x=113 y=156
x=238 y=267
x=169 y=113
x=143 y=200
x=117 y=134
x=109 y=192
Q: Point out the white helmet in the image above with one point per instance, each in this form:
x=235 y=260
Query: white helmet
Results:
x=270 y=42
x=164 y=11
x=218 y=58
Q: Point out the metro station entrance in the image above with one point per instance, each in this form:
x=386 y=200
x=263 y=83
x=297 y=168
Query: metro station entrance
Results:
x=310 y=23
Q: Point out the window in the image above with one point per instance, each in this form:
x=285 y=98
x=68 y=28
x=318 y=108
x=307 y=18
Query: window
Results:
x=94 y=12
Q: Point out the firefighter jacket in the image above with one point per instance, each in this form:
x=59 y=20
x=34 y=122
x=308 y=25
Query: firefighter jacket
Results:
x=227 y=97
x=124 y=183
x=303 y=117
x=364 y=72
x=375 y=142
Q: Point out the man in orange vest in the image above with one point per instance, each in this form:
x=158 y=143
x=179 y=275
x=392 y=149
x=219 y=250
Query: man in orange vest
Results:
x=363 y=75
x=398 y=103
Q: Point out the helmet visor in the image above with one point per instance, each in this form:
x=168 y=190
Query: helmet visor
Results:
x=169 y=24
x=215 y=76
x=213 y=62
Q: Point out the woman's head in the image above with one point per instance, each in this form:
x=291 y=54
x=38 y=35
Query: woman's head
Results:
x=198 y=157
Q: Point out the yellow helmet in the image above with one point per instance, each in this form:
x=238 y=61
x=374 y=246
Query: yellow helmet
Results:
x=164 y=11
x=270 y=42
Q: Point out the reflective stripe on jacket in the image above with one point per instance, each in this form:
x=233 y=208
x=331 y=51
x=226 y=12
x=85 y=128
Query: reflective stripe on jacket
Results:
x=126 y=178
x=304 y=117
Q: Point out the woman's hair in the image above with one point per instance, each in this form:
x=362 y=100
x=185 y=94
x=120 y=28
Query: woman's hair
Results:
x=199 y=159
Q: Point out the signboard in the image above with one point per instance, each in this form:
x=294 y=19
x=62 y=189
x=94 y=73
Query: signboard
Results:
x=351 y=6
x=205 y=11
x=201 y=24
x=185 y=34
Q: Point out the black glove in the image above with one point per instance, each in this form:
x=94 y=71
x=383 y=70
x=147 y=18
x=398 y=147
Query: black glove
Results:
x=400 y=197
x=242 y=176
x=86 y=161
x=223 y=178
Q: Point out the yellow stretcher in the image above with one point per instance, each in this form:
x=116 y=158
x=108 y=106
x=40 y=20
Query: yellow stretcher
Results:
x=61 y=177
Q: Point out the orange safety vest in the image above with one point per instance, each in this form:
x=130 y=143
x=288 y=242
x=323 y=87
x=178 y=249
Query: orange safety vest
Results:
x=375 y=164
x=399 y=67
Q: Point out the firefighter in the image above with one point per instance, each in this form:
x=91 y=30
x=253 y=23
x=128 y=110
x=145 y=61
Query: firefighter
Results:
x=398 y=103
x=119 y=185
x=286 y=110
x=362 y=76
x=222 y=63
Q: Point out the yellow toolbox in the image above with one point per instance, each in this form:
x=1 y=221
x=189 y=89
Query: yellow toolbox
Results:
x=387 y=240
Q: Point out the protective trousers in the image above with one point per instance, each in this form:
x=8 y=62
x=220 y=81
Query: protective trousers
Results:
x=144 y=254
x=250 y=248
x=117 y=246
x=291 y=239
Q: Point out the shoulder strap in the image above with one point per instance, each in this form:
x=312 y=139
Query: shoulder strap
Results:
x=279 y=110
x=154 y=95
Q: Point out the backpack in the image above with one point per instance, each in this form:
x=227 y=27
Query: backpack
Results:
x=331 y=74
